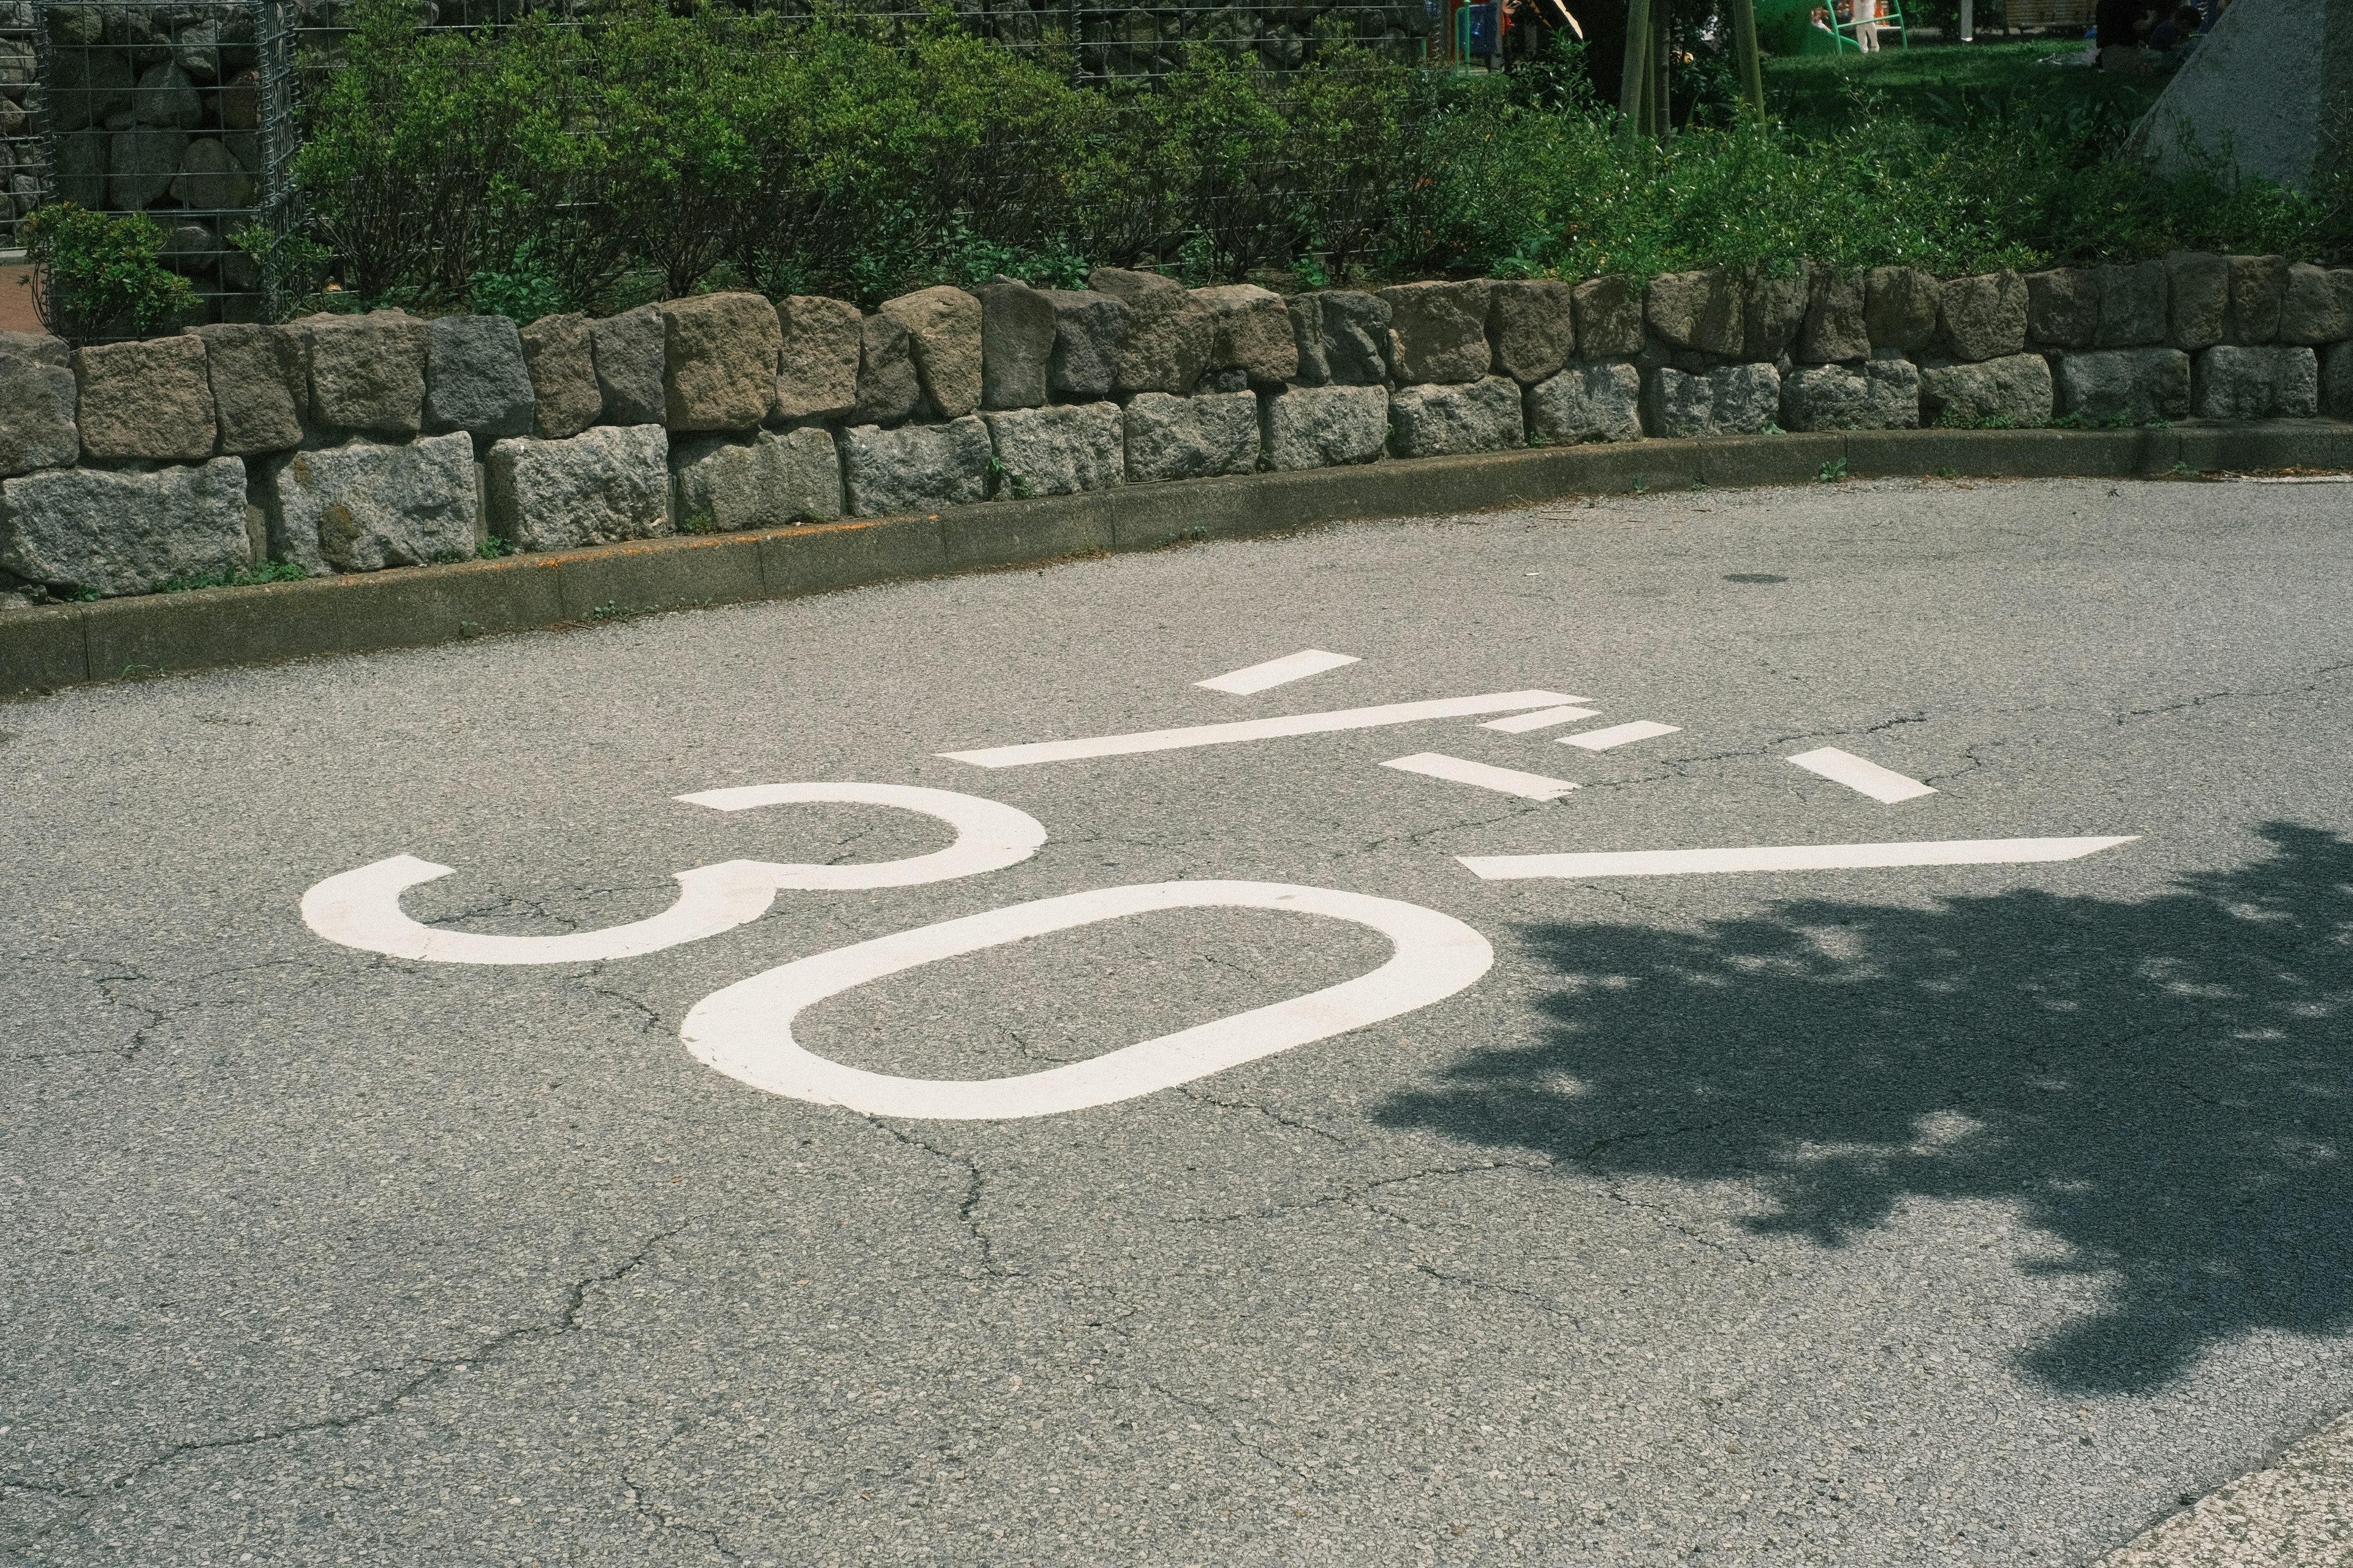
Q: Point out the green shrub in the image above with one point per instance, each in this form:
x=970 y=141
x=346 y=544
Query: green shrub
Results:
x=102 y=276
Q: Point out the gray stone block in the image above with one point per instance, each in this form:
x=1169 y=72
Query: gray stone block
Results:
x=111 y=531
x=366 y=505
x=1696 y=310
x=1608 y=318
x=1834 y=327
x=81 y=167
x=1058 y=451
x=475 y=378
x=2198 y=298
x=141 y=162
x=943 y=339
x=37 y=404
x=1886 y=396
x=600 y=487
x=1342 y=337
x=2316 y=305
x=1587 y=401
x=1899 y=306
x=820 y=346
x=1251 y=332
x=211 y=179
x=149 y=400
x=1088 y=330
x=1170 y=438
x=1325 y=427
x=1532 y=327
x=557 y=355
x=1984 y=317
x=2129 y=386
x=368 y=373
x=1771 y=314
x=1436 y=421
x=889 y=391
x=2134 y=306
x=2336 y=380
x=1680 y=405
x=1017 y=344
x=89 y=85
x=2063 y=307
x=627 y=350
x=261 y=380
x=2257 y=289
x=1437 y=333
x=2015 y=390
x=1736 y=400
x=165 y=96
x=1166 y=335
x=916 y=468
x=2246 y=381
x=719 y=361
x=774 y=480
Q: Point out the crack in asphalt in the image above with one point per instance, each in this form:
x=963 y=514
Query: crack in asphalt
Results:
x=635 y=1492
x=968 y=1207
x=1271 y=1115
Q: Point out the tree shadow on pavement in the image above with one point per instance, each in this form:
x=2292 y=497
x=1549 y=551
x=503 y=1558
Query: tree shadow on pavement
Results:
x=2163 y=1085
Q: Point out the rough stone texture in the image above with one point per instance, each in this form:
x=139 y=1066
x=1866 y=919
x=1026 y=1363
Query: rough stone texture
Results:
x=1532 y=327
x=2198 y=298
x=1696 y=310
x=2134 y=309
x=1190 y=437
x=1058 y=451
x=368 y=373
x=1088 y=330
x=916 y=468
x=1984 y=317
x=1438 y=331
x=1251 y=332
x=1325 y=427
x=557 y=355
x=366 y=505
x=943 y=337
x=2063 y=307
x=1681 y=406
x=627 y=351
x=1884 y=396
x=108 y=532
x=475 y=378
x=166 y=97
x=211 y=177
x=148 y=400
x=37 y=404
x=2317 y=306
x=1899 y=306
x=1166 y=335
x=89 y=85
x=141 y=163
x=1587 y=401
x=719 y=361
x=2271 y=381
x=2258 y=287
x=81 y=167
x=2269 y=92
x=1771 y=314
x=889 y=392
x=2133 y=386
x=1017 y=344
x=1436 y=421
x=2336 y=380
x=1341 y=336
x=2015 y=389
x=1834 y=325
x=1736 y=400
x=776 y=480
x=817 y=362
x=600 y=487
x=1608 y=318
x=261 y=380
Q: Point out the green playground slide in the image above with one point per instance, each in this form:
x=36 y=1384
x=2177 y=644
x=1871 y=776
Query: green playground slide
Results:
x=1783 y=28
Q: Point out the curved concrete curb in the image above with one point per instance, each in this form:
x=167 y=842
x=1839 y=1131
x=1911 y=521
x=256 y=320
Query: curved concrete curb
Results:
x=114 y=639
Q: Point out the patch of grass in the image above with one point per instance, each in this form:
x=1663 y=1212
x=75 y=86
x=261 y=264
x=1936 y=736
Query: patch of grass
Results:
x=1831 y=472
x=492 y=547
x=273 y=572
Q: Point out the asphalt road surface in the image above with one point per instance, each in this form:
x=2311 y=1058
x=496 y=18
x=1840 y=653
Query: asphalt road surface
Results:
x=1906 y=1204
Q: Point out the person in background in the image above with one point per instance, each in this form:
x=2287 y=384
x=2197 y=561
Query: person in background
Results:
x=1866 y=26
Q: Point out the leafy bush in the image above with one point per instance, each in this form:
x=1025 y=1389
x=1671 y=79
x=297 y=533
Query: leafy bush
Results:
x=102 y=276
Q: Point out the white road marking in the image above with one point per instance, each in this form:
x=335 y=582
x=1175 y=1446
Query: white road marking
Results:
x=1542 y=719
x=1787 y=858
x=1620 y=735
x=1863 y=776
x=361 y=907
x=745 y=1030
x=1256 y=728
x=1506 y=781
x=1277 y=672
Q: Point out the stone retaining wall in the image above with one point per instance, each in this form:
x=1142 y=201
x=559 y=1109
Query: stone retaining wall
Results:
x=344 y=443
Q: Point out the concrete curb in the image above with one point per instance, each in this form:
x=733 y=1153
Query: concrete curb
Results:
x=115 y=640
